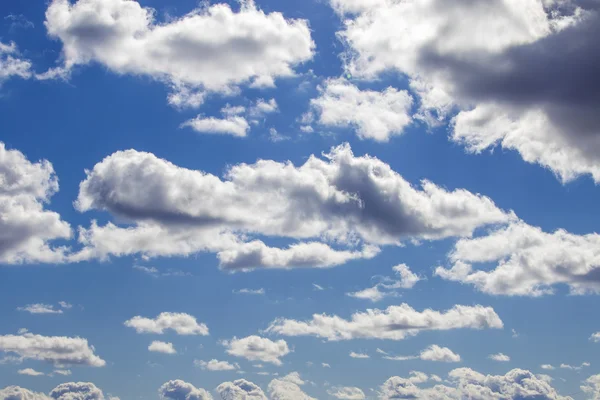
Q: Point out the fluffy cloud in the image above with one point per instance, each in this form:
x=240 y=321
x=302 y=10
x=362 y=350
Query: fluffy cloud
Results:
x=499 y=357
x=477 y=58
x=240 y=389
x=592 y=387
x=344 y=198
x=26 y=228
x=30 y=372
x=469 y=384
x=394 y=323
x=216 y=365
x=11 y=64
x=18 y=393
x=77 y=391
x=40 y=309
x=547 y=366
x=374 y=115
x=181 y=323
x=162 y=347
x=288 y=388
x=210 y=49
x=180 y=390
x=59 y=350
x=347 y=393
x=595 y=337
x=234 y=125
x=256 y=348
x=407 y=279
x=530 y=261
x=431 y=353
x=358 y=355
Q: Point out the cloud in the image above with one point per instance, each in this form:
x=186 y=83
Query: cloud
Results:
x=235 y=125
x=216 y=365
x=547 y=366
x=595 y=337
x=530 y=261
x=77 y=391
x=27 y=228
x=394 y=323
x=325 y=365
x=258 y=292
x=58 y=350
x=374 y=115
x=30 y=372
x=181 y=323
x=287 y=388
x=469 y=384
x=11 y=65
x=65 y=305
x=162 y=347
x=575 y=368
x=18 y=393
x=18 y=21
x=359 y=355
x=407 y=280
x=499 y=357
x=344 y=199
x=40 y=309
x=592 y=387
x=63 y=372
x=479 y=60
x=240 y=389
x=431 y=353
x=235 y=48
x=256 y=348
x=318 y=287
x=180 y=390
x=347 y=393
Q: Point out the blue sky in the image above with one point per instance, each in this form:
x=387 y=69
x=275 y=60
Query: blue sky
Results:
x=426 y=154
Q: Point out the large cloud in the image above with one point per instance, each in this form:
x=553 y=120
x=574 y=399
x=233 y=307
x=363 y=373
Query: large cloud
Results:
x=256 y=348
x=240 y=389
x=530 y=261
x=180 y=390
x=592 y=387
x=342 y=198
x=25 y=226
x=64 y=391
x=469 y=384
x=482 y=58
x=11 y=64
x=288 y=388
x=181 y=323
x=18 y=393
x=59 y=350
x=394 y=323
x=212 y=48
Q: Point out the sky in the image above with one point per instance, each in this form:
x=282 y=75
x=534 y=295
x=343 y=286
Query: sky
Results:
x=320 y=199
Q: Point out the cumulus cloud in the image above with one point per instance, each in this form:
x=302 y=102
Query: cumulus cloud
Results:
x=26 y=228
x=592 y=387
x=240 y=389
x=30 y=372
x=256 y=348
x=40 y=309
x=11 y=63
x=77 y=391
x=394 y=323
x=234 y=125
x=211 y=49
x=499 y=357
x=58 y=350
x=530 y=261
x=181 y=323
x=180 y=390
x=478 y=59
x=469 y=384
x=288 y=388
x=388 y=286
x=162 y=347
x=216 y=365
x=595 y=337
x=343 y=198
x=431 y=353
x=374 y=115
x=18 y=393
x=347 y=393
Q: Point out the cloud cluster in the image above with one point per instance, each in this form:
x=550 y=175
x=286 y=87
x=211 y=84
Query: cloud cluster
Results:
x=181 y=323
x=288 y=388
x=256 y=348
x=211 y=49
x=482 y=60
x=240 y=389
x=26 y=227
x=394 y=323
x=58 y=350
x=180 y=390
x=388 y=286
x=347 y=393
x=592 y=387
x=64 y=391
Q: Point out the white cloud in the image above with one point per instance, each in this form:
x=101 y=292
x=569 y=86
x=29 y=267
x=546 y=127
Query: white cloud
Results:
x=181 y=323
x=547 y=366
x=318 y=287
x=240 y=389
x=575 y=368
x=180 y=390
x=259 y=292
x=344 y=198
x=499 y=357
x=211 y=49
x=374 y=115
x=63 y=372
x=77 y=391
x=359 y=355
x=595 y=337
x=394 y=323
x=466 y=383
x=216 y=365
x=592 y=387
x=287 y=388
x=26 y=228
x=514 y=333
x=18 y=393
x=235 y=126
x=407 y=280
x=11 y=64
x=263 y=107
x=30 y=372
x=530 y=262
x=162 y=347
x=325 y=365
x=59 y=350
x=256 y=348
x=431 y=353
x=347 y=393
x=40 y=309
x=65 y=305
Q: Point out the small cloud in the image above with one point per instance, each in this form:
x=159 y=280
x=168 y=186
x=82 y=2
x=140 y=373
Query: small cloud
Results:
x=260 y=291
x=499 y=357
x=515 y=334
x=30 y=372
x=359 y=355
x=317 y=287
x=325 y=365
x=216 y=365
x=65 y=305
x=547 y=366
x=162 y=347
x=63 y=372
x=40 y=309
